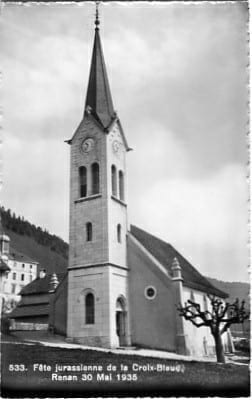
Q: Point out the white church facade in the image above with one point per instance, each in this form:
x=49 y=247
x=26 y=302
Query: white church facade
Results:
x=123 y=284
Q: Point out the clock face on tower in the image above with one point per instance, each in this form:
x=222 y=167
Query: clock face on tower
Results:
x=87 y=145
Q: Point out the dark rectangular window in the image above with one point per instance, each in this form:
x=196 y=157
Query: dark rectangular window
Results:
x=119 y=233
x=83 y=181
x=90 y=309
x=121 y=185
x=114 y=180
x=89 y=232
x=95 y=178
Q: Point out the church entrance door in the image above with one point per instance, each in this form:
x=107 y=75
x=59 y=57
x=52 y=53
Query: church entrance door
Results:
x=121 y=322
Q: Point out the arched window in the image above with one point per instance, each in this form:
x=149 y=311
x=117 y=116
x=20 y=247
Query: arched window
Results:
x=89 y=309
x=89 y=232
x=95 y=178
x=119 y=233
x=121 y=185
x=114 y=180
x=83 y=181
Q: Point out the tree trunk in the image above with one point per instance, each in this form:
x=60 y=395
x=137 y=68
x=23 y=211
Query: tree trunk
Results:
x=219 y=348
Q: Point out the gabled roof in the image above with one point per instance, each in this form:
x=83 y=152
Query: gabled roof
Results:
x=99 y=99
x=18 y=256
x=117 y=121
x=40 y=285
x=28 y=307
x=165 y=253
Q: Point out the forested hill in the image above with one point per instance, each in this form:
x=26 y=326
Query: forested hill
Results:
x=48 y=250
x=235 y=290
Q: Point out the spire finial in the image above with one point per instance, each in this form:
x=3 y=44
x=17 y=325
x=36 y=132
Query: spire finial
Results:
x=97 y=21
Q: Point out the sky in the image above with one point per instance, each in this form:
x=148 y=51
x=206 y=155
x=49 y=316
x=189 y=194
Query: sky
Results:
x=178 y=76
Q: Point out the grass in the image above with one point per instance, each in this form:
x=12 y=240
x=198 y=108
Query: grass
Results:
x=193 y=378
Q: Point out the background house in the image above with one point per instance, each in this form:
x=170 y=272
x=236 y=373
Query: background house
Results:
x=21 y=271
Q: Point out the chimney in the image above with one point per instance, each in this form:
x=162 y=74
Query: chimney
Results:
x=42 y=273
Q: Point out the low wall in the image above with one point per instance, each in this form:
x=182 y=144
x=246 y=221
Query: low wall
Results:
x=27 y=326
x=37 y=336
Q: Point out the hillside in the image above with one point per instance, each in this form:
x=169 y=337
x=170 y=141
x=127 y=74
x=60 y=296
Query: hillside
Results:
x=41 y=236
x=235 y=290
x=47 y=259
x=48 y=250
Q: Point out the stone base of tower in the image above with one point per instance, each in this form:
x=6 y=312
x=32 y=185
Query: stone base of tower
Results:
x=93 y=341
x=107 y=324
x=99 y=341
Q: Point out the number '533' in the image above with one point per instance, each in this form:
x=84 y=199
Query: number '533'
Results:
x=17 y=368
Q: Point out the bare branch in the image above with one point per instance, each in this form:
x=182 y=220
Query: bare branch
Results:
x=221 y=313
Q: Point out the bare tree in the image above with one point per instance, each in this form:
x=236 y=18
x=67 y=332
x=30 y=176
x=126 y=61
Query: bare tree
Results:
x=219 y=319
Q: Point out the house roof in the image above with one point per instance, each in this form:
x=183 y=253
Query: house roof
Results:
x=37 y=287
x=30 y=310
x=3 y=266
x=40 y=285
x=18 y=256
x=165 y=253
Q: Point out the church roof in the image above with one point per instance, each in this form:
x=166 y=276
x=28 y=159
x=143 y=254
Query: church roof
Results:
x=165 y=253
x=40 y=285
x=99 y=99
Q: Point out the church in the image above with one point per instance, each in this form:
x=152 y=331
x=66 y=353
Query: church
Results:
x=123 y=285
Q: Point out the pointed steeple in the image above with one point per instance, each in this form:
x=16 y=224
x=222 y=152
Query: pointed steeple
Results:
x=99 y=99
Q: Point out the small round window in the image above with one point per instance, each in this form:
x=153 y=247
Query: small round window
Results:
x=150 y=292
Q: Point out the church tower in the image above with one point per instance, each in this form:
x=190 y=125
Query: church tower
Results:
x=97 y=273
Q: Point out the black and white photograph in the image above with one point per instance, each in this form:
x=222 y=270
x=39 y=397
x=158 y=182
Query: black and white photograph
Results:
x=124 y=219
